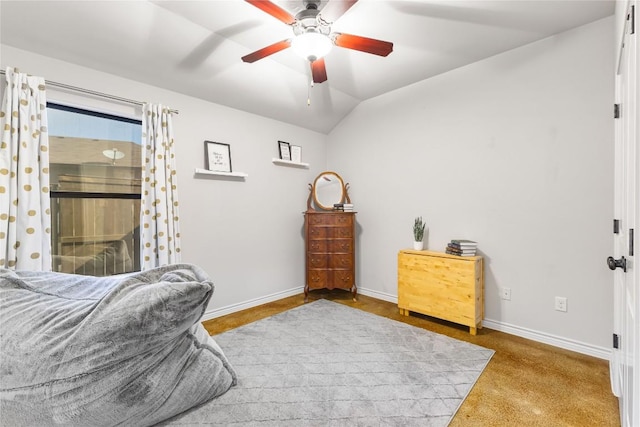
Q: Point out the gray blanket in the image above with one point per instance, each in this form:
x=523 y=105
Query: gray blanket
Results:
x=121 y=350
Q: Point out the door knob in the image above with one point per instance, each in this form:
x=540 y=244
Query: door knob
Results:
x=615 y=263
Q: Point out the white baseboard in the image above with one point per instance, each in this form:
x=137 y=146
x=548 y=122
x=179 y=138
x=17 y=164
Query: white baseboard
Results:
x=378 y=295
x=554 y=340
x=223 y=311
x=543 y=337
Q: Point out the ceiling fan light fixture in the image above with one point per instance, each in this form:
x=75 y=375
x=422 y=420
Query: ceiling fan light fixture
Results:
x=311 y=45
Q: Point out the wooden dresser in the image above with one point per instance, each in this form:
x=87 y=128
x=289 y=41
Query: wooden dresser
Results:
x=445 y=286
x=330 y=250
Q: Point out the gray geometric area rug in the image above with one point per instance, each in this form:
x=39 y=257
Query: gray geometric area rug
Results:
x=326 y=364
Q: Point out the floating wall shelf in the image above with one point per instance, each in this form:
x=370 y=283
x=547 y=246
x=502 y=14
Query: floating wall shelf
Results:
x=199 y=171
x=290 y=163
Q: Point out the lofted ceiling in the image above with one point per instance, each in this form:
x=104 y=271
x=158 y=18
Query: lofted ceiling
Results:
x=194 y=47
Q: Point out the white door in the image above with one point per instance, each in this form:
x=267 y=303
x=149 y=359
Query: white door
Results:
x=625 y=362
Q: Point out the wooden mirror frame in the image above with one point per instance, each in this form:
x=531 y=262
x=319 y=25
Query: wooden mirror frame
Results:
x=321 y=203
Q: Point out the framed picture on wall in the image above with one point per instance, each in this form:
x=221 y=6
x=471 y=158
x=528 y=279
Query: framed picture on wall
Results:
x=285 y=150
x=217 y=156
x=296 y=153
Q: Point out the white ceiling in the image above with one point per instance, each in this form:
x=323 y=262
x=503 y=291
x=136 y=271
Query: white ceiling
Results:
x=194 y=47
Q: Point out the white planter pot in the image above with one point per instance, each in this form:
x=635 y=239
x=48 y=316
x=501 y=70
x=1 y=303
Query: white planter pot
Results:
x=418 y=246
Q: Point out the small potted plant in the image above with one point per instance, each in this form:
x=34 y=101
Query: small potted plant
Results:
x=418 y=234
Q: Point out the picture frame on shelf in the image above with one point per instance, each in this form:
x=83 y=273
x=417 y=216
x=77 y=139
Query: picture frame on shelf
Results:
x=217 y=156
x=296 y=153
x=284 y=149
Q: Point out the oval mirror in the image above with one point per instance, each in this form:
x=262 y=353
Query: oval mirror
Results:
x=328 y=189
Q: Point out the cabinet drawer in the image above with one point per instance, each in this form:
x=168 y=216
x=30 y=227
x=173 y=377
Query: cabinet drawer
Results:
x=318 y=279
x=317 y=260
x=330 y=232
x=318 y=232
x=331 y=219
x=330 y=246
x=320 y=260
x=343 y=261
x=340 y=246
x=341 y=232
x=317 y=246
x=341 y=279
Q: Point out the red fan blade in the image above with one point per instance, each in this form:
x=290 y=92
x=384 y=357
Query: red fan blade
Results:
x=335 y=9
x=266 y=51
x=363 y=44
x=273 y=10
x=318 y=71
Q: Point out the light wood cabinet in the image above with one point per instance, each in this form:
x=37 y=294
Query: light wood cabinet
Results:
x=440 y=285
x=330 y=251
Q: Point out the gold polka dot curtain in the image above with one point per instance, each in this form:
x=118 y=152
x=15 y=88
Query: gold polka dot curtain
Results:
x=160 y=231
x=25 y=216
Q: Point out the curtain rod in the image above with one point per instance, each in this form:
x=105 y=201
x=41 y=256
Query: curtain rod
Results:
x=93 y=92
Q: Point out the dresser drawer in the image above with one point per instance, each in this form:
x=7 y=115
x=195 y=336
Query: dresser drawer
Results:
x=341 y=232
x=330 y=232
x=343 y=261
x=331 y=219
x=320 y=279
x=317 y=246
x=343 y=279
x=340 y=246
x=317 y=279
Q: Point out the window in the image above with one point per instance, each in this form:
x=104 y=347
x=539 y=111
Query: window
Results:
x=95 y=172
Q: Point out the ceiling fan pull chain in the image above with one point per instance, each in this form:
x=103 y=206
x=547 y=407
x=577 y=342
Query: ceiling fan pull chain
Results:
x=309 y=94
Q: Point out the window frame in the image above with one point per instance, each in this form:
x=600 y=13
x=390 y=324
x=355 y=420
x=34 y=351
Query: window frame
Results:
x=57 y=194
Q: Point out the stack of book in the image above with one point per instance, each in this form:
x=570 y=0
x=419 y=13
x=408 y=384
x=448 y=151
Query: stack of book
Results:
x=343 y=207
x=462 y=247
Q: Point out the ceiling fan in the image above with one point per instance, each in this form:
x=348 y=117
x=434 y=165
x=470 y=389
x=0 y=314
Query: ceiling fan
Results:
x=313 y=38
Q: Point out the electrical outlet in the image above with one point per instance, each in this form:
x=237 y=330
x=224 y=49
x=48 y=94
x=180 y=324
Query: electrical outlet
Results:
x=505 y=293
x=561 y=304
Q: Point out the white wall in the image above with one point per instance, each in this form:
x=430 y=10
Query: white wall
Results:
x=516 y=152
x=246 y=234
